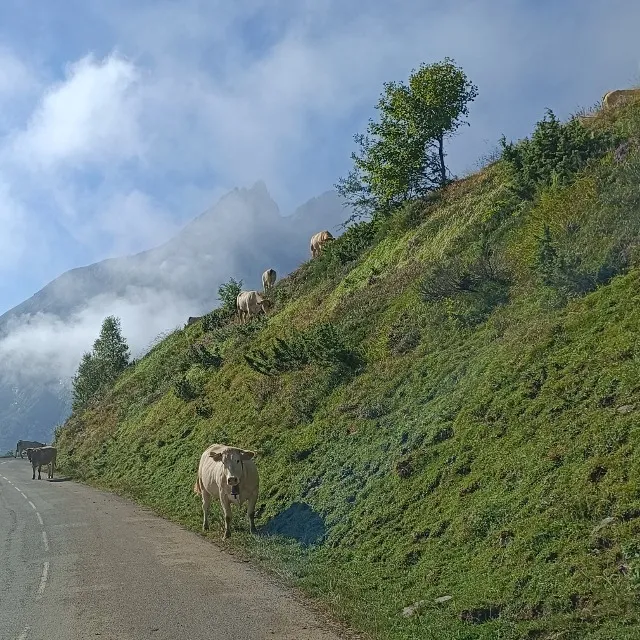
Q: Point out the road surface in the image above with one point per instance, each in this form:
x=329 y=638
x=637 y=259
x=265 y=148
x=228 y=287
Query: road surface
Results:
x=76 y=563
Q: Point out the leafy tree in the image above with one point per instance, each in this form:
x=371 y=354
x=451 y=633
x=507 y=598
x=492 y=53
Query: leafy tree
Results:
x=86 y=382
x=99 y=368
x=227 y=294
x=402 y=155
x=111 y=350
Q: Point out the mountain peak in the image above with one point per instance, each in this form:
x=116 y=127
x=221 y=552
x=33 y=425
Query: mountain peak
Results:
x=260 y=188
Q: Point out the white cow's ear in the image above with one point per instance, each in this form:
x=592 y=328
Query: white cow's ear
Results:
x=247 y=455
x=216 y=455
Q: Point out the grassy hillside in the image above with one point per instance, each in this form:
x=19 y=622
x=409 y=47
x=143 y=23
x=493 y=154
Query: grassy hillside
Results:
x=445 y=404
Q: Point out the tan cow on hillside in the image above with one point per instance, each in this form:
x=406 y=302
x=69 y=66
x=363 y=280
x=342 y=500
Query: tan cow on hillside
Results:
x=250 y=303
x=229 y=474
x=42 y=455
x=318 y=241
x=268 y=279
x=612 y=99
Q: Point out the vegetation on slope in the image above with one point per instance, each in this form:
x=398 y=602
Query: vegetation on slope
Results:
x=444 y=404
x=100 y=367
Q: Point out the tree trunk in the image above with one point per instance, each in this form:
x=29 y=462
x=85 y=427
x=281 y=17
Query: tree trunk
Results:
x=443 y=169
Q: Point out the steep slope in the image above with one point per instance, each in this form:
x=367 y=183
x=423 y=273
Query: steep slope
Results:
x=450 y=409
x=240 y=236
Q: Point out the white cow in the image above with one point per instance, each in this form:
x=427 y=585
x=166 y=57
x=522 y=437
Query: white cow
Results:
x=229 y=474
x=250 y=303
x=268 y=279
x=612 y=99
x=318 y=241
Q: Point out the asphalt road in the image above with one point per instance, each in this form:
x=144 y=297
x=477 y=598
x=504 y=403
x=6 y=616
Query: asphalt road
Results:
x=76 y=563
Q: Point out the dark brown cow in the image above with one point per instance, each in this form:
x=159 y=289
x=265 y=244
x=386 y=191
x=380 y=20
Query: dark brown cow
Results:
x=23 y=445
x=40 y=456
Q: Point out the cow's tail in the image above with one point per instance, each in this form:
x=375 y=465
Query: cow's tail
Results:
x=197 y=487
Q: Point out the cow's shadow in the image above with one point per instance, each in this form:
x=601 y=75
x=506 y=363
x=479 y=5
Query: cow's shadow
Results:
x=300 y=522
x=63 y=479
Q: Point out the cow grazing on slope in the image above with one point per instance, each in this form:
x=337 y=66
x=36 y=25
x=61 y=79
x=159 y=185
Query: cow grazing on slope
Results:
x=43 y=456
x=229 y=474
x=268 y=279
x=193 y=319
x=612 y=99
x=23 y=445
x=250 y=303
x=318 y=241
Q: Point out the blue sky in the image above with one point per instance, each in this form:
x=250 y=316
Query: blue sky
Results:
x=120 y=120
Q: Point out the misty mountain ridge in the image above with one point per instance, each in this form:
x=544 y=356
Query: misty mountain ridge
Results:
x=241 y=236
x=257 y=233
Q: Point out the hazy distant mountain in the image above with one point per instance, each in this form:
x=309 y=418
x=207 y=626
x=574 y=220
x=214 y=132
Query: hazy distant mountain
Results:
x=240 y=237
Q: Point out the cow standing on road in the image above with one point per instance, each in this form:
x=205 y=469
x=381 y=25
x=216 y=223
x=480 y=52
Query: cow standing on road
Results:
x=231 y=475
x=40 y=456
x=23 y=445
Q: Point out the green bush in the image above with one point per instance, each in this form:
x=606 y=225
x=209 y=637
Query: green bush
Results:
x=184 y=389
x=403 y=335
x=323 y=345
x=471 y=290
x=227 y=294
x=217 y=318
x=352 y=243
x=204 y=357
x=448 y=279
x=564 y=271
x=555 y=153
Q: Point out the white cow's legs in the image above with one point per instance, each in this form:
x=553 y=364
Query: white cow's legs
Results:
x=206 y=501
x=251 y=512
x=226 y=510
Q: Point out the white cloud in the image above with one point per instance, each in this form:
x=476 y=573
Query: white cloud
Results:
x=132 y=220
x=91 y=116
x=222 y=95
x=44 y=347
x=114 y=220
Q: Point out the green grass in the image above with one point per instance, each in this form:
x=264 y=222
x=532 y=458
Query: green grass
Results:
x=474 y=455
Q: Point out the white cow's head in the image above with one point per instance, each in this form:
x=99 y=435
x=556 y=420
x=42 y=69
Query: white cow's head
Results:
x=232 y=461
x=266 y=304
